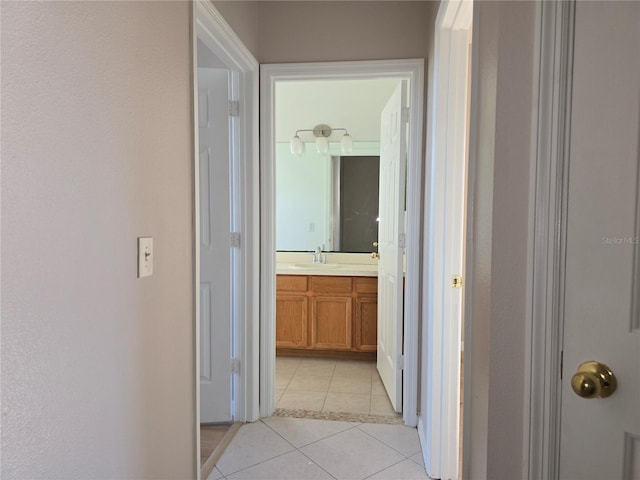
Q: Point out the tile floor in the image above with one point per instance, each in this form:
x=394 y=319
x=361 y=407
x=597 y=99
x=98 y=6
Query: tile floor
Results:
x=279 y=448
x=327 y=385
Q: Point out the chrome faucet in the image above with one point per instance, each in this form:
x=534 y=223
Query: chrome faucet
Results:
x=319 y=257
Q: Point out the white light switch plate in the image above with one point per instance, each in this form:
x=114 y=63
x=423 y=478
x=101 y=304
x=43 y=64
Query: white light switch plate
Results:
x=145 y=256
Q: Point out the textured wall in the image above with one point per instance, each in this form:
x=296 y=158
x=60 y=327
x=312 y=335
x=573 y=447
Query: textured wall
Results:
x=332 y=31
x=499 y=203
x=242 y=17
x=97 y=366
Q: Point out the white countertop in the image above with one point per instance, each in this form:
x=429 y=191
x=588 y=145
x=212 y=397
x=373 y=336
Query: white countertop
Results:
x=330 y=269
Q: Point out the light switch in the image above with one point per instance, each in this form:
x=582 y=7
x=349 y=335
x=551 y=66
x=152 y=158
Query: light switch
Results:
x=145 y=256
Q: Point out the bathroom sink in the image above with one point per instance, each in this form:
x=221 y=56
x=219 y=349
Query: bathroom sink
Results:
x=321 y=266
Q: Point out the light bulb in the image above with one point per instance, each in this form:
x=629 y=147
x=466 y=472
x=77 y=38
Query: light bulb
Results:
x=322 y=144
x=297 y=147
x=346 y=143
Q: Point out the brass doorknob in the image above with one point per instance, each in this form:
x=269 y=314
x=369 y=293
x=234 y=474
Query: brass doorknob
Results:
x=593 y=380
x=375 y=244
x=375 y=255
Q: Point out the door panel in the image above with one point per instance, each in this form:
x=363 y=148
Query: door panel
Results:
x=393 y=148
x=215 y=248
x=599 y=437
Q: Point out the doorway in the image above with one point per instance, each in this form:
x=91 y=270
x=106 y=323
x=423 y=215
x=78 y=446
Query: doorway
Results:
x=224 y=185
x=412 y=70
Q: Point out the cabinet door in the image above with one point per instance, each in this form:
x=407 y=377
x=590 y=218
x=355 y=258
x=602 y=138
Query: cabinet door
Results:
x=367 y=324
x=331 y=323
x=292 y=321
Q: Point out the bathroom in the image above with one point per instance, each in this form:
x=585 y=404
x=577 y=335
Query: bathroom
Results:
x=327 y=177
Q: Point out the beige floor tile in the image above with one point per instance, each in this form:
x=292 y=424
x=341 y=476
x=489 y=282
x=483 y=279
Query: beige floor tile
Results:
x=405 y=470
x=283 y=379
x=377 y=387
x=380 y=405
x=353 y=369
x=215 y=474
x=291 y=466
x=399 y=437
x=287 y=364
x=316 y=367
x=253 y=444
x=359 y=385
x=310 y=383
x=303 y=431
x=352 y=455
x=302 y=400
x=418 y=458
x=347 y=402
x=279 y=392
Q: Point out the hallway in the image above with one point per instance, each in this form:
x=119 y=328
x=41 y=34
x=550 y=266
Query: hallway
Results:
x=277 y=448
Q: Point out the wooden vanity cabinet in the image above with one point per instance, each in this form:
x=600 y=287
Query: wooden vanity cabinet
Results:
x=292 y=318
x=319 y=313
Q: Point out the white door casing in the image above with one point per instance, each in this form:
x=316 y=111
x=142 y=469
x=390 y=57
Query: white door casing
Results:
x=600 y=438
x=390 y=234
x=411 y=69
x=215 y=247
x=439 y=422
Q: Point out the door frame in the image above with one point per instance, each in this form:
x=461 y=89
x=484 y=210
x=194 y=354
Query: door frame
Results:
x=413 y=69
x=551 y=120
x=448 y=137
x=210 y=27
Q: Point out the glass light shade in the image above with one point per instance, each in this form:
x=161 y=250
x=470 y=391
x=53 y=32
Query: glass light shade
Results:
x=297 y=147
x=322 y=144
x=346 y=143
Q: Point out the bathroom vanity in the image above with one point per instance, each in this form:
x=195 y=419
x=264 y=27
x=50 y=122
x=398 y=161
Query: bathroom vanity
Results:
x=324 y=312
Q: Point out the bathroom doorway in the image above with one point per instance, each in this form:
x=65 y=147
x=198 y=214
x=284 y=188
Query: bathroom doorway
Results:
x=339 y=299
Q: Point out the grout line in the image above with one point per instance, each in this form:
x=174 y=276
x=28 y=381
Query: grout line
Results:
x=389 y=466
x=390 y=446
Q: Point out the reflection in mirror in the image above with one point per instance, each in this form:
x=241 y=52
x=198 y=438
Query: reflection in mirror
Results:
x=313 y=190
x=355 y=209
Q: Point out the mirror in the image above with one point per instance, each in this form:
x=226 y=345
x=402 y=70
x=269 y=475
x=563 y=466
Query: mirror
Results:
x=327 y=201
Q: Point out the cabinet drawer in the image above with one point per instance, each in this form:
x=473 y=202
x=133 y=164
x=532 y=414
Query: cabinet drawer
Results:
x=366 y=284
x=322 y=284
x=291 y=283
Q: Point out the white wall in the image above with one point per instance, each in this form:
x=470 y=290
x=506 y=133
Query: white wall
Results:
x=97 y=365
x=303 y=198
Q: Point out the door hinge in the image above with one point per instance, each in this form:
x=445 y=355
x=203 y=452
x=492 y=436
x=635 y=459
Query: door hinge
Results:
x=402 y=240
x=235 y=366
x=456 y=281
x=405 y=114
x=235 y=240
x=401 y=362
x=234 y=108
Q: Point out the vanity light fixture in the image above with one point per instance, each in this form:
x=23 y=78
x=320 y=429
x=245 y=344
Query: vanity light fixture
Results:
x=322 y=134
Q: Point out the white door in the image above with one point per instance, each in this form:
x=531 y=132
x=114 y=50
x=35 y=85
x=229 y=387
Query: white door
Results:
x=393 y=148
x=600 y=438
x=215 y=247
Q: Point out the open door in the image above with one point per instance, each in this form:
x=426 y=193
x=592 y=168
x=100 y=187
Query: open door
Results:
x=391 y=234
x=215 y=246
